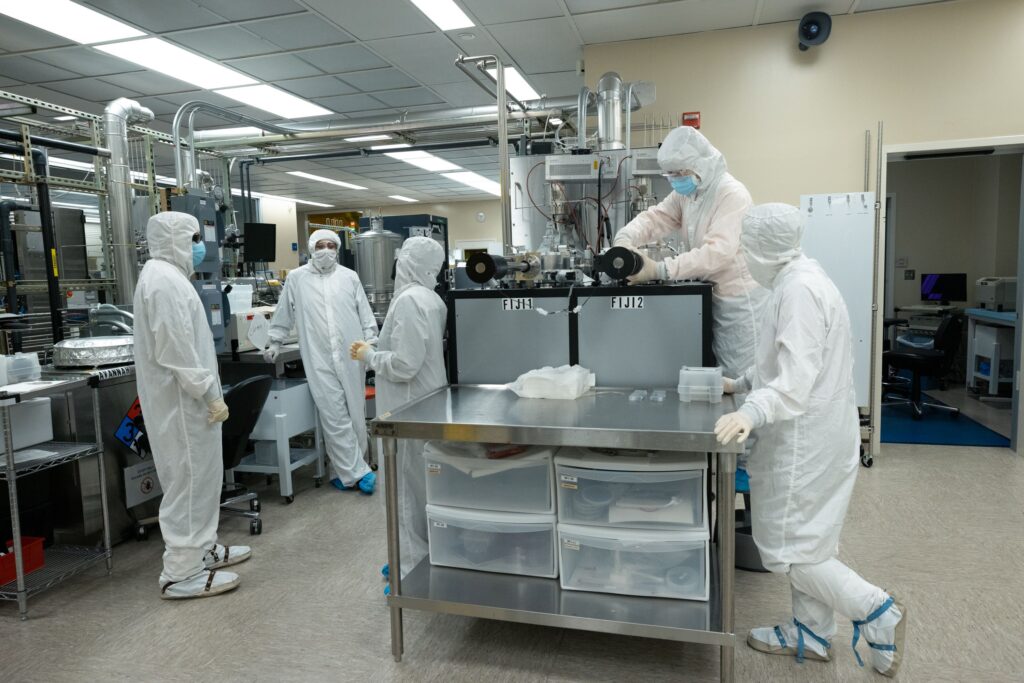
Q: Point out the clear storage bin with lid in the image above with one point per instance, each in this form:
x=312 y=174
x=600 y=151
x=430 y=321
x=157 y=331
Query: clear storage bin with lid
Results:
x=700 y=384
x=658 y=564
x=632 y=489
x=503 y=542
x=462 y=475
x=19 y=367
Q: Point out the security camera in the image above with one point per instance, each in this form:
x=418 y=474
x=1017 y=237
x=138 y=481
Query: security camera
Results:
x=814 y=29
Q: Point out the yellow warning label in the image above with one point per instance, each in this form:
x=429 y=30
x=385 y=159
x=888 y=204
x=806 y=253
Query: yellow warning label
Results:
x=53 y=259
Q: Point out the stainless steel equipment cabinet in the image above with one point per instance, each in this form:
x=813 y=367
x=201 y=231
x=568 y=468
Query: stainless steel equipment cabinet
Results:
x=602 y=418
x=61 y=562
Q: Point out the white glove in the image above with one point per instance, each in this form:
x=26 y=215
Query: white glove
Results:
x=733 y=426
x=271 y=353
x=652 y=270
x=730 y=386
x=359 y=350
x=218 y=411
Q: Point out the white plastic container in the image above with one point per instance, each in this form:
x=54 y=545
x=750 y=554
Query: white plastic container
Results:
x=700 y=384
x=658 y=564
x=503 y=542
x=465 y=478
x=20 y=367
x=666 y=491
x=31 y=423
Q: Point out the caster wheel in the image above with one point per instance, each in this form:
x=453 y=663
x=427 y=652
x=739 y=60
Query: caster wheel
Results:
x=867 y=461
x=288 y=500
x=254 y=505
x=141 y=533
x=917 y=415
x=256 y=527
x=374 y=467
x=318 y=482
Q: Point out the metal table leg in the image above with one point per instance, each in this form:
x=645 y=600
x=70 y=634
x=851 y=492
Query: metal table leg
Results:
x=394 y=559
x=727 y=554
x=12 y=494
x=104 y=503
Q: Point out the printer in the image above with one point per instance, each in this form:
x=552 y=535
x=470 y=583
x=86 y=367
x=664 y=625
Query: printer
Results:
x=996 y=293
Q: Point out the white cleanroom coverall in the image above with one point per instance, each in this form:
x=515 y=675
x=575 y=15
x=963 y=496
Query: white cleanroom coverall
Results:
x=328 y=307
x=176 y=374
x=409 y=364
x=708 y=222
x=803 y=408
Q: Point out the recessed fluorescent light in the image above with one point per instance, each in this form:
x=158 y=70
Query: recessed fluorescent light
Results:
x=65 y=118
x=398 y=145
x=340 y=183
x=515 y=84
x=555 y=121
x=402 y=199
x=70 y=20
x=269 y=98
x=368 y=138
x=424 y=160
x=159 y=55
x=260 y=195
x=475 y=180
x=445 y=13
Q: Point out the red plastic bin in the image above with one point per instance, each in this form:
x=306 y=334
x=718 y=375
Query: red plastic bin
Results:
x=31 y=557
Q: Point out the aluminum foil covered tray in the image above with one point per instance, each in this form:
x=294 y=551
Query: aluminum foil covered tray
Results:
x=92 y=352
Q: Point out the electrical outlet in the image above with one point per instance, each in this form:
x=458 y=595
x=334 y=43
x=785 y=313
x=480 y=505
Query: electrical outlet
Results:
x=909 y=274
x=902 y=262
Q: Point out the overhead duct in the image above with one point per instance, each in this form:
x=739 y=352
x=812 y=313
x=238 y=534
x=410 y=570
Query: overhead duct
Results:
x=118 y=115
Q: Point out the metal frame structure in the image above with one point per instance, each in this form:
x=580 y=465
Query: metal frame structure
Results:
x=485 y=414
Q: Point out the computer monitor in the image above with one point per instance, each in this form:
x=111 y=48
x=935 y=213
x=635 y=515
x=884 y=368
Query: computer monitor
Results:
x=260 y=242
x=943 y=287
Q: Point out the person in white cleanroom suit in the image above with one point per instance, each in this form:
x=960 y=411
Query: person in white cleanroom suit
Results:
x=705 y=210
x=409 y=364
x=803 y=408
x=326 y=303
x=183 y=406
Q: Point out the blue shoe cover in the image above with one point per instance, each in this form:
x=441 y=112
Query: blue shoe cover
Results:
x=368 y=483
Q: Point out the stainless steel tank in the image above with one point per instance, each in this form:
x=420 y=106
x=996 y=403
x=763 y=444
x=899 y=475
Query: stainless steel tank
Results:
x=375 y=250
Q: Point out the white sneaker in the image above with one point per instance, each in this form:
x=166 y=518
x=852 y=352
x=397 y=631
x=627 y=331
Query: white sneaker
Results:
x=203 y=585
x=784 y=639
x=224 y=556
x=886 y=637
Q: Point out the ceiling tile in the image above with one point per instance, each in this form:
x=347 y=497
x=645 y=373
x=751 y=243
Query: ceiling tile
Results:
x=540 y=46
x=85 y=61
x=204 y=95
x=47 y=95
x=342 y=58
x=249 y=9
x=274 y=67
x=665 y=19
x=872 y=5
x=557 y=84
x=31 y=71
x=159 y=107
x=430 y=59
x=92 y=89
x=375 y=19
x=466 y=94
x=480 y=44
x=299 y=31
x=792 y=10
x=317 y=86
x=350 y=103
x=16 y=36
x=583 y=6
x=379 y=79
x=149 y=83
x=158 y=17
x=225 y=42
x=409 y=97
x=502 y=11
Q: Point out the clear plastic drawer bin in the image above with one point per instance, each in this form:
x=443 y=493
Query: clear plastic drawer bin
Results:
x=462 y=476
x=503 y=542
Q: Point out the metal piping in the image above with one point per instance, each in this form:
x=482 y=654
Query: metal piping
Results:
x=118 y=115
x=7 y=207
x=581 y=116
x=220 y=112
x=609 y=112
x=52 y=143
x=629 y=118
x=342 y=153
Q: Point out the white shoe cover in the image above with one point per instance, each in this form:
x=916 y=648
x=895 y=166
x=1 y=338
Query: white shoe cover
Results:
x=224 y=556
x=203 y=585
x=766 y=640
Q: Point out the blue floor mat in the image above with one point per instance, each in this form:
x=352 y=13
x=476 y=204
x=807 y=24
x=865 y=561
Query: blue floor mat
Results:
x=936 y=428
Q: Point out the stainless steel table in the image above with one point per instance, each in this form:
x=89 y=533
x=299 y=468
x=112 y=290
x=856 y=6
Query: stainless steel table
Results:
x=602 y=418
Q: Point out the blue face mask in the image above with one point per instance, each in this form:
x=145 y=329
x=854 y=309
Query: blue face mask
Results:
x=198 y=253
x=684 y=185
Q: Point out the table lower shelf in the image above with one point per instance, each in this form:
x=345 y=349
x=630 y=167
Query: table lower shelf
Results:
x=268 y=463
x=61 y=562
x=529 y=600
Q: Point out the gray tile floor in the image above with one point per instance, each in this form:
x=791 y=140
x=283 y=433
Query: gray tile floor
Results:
x=941 y=527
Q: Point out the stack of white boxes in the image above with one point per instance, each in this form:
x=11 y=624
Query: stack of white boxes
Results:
x=633 y=524
x=491 y=514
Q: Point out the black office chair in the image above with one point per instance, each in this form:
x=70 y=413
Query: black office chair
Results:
x=245 y=403
x=935 y=362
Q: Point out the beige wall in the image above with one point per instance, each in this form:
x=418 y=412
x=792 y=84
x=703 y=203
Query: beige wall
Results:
x=284 y=215
x=793 y=123
x=462 y=221
x=954 y=216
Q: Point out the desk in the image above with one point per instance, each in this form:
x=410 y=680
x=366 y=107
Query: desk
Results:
x=251 y=363
x=990 y=336
x=601 y=418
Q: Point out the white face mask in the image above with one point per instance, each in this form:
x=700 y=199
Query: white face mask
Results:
x=762 y=272
x=325 y=259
